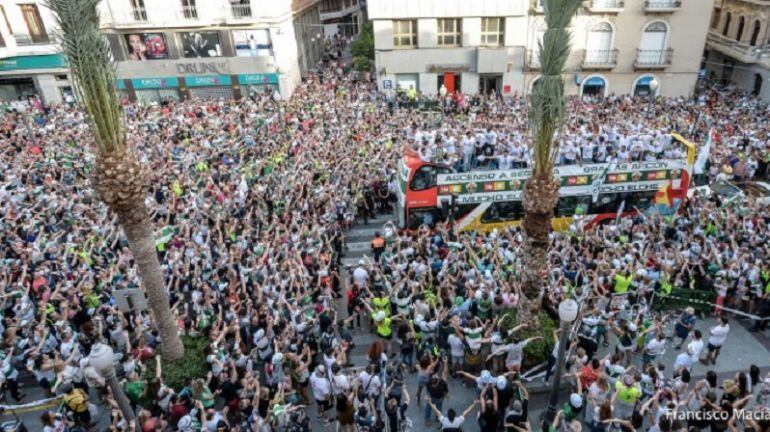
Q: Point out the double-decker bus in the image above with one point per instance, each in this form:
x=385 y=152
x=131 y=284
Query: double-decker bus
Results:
x=483 y=200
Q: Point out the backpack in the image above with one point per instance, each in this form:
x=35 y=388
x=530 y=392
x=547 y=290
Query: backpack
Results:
x=361 y=393
x=326 y=342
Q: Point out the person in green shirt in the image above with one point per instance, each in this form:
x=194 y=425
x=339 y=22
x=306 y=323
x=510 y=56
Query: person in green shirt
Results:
x=623 y=280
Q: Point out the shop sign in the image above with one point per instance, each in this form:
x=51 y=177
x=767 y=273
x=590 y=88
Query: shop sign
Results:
x=208 y=81
x=154 y=83
x=220 y=67
x=48 y=61
x=257 y=79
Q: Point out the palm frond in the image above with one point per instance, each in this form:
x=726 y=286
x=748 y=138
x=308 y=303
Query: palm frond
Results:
x=93 y=69
x=547 y=101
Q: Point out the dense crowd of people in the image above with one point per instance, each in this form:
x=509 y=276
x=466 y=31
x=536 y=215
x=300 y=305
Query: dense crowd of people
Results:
x=250 y=222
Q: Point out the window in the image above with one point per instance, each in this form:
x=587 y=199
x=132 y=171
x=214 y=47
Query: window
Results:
x=405 y=33
x=492 y=31
x=449 y=32
x=137 y=7
x=5 y=17
x=503 y=211
x=425 y=177
x=567 y=205
x=189 y=10
x=35 y=25
x=741 y=24
x=726 y=28
x=754 y=34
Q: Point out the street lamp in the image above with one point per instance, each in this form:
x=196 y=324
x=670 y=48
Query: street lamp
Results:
x=277 y=99
x=568 y=310
x=653 y=86
x=443 y=91
x=101 y=358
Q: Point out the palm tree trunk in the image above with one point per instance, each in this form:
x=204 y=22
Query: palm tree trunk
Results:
x=538 y=199
x=120 y=182
x=541 y=192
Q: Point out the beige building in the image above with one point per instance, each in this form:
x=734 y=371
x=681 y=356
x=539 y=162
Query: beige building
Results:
x=618 y=47
x=738 y=44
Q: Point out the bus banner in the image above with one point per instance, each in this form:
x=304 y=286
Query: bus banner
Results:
x=577 y=179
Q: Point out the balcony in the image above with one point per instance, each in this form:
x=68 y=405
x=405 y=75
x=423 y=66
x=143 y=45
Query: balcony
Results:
x=140 y=14
x=240 y=10
x=190 y=12
x=599 y=59
x=331 y=14
x=662 y=6
x=740 y=51
x=653 y=59
x=606 y=6
x=29 y=40
x=533 y=61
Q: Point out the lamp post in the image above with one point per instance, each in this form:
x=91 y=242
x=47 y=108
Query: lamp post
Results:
x=653 y=87
x=101 y=358
x=568 y=310
x=443 y=91
x=277 y=99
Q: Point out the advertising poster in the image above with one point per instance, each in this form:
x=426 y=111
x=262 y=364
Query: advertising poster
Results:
x=201 y=44
x=147 y=46
x=252 y=43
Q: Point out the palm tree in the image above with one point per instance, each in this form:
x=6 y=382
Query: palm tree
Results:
x=117 y=176
x=546 y=115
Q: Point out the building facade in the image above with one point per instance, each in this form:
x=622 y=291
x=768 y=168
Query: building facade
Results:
x=738 y=44
x=209 y=48
x=618 y=47
x=31 y=63
x=343 y=17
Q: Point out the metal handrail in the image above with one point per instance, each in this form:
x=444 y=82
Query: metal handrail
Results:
x=600 y=57
x=662 y=4
x=190 y=12
x=24 y=40
x=607 y=4
x=660 y=57
x=242 y=10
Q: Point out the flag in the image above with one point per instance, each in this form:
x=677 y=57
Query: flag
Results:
x=597 y=183
x=663 y=196
x=703 y=156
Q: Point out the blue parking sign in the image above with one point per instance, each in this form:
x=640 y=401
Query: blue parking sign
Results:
x=387 y=84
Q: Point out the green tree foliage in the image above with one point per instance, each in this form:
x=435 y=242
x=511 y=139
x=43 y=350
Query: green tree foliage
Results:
x=362 y=49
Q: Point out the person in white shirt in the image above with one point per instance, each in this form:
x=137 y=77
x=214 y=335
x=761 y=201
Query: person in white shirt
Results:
x=717 y=337
x=361 y=275
x=451 y=421
x=322 y=391
x=654 y=348
x=695 y=347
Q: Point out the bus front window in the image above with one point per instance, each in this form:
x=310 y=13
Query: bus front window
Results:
x=424 y=178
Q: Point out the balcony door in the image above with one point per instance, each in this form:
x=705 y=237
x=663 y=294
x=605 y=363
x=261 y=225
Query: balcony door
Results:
x=34 y=23
x=653 y=45
x=599 y=43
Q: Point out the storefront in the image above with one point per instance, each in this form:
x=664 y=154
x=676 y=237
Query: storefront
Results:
x=149 y=90
x=594 y=86
x=45 y=76
x=209 y=87
x=257 y=83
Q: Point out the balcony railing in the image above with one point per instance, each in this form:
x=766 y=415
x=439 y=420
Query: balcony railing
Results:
x=745 y=53
x=533 y=60
x=26 y=40
x=653 y=59
x=241 y=10
x=190 y=12
x=606 y=5
x=599 y=59
x=662 y=5
x=140 y=14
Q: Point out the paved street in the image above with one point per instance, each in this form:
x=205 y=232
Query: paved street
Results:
x=742 y=350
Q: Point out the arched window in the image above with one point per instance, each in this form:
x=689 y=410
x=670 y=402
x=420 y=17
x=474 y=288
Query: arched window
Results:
x=653 y=46
x=754 y=33
x=726 y=27
x=599 y=43
x=715 y=19
x=741 y=24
